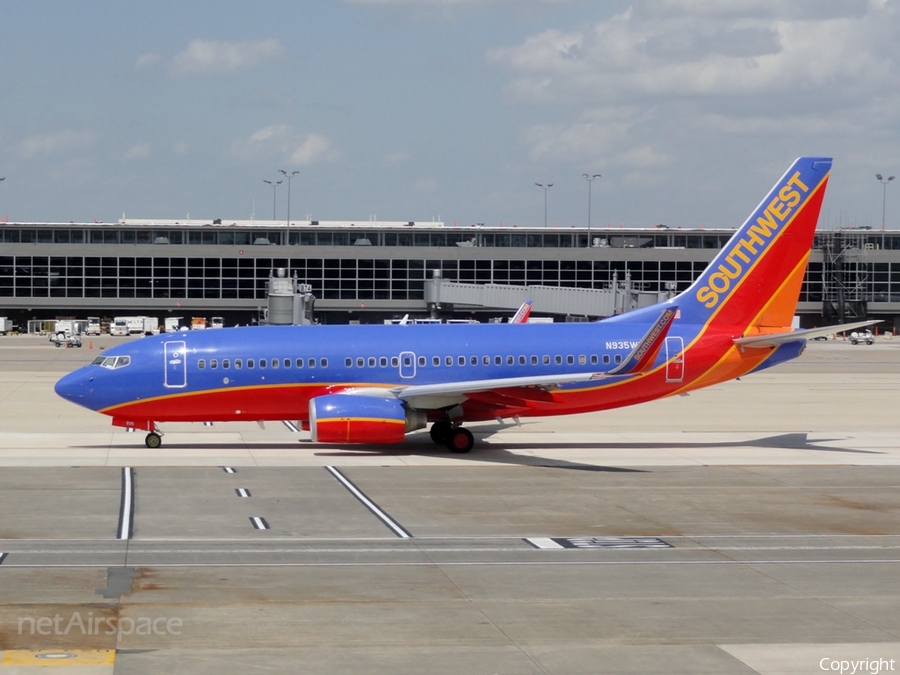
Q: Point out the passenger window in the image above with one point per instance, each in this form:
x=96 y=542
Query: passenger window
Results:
x=371 y=362
x=238 y=363
x=473 y=360
x=534 y=360
x=382 y=362
x=360 y=362
x=435 y=360
x=348 y=362
x=448 y=360
x=421 y=361
x=262 y=363
x=582 y=359
x=461 y=360
x=323 y=363
x=213 y=363
x=311 y=363
x=486 y=360
x=593 y=359
x=250 y=363
x=226 y=363
x=618 y=358
x=521 y=360
x=509 y=360
x=299 y=363
x=274 y=363
x=498 y=360
x=201 y=364
x=606 y=358
x=546 y=360
x=558 y=360
x=395 y=361
x=570 y=359
x=287 y=363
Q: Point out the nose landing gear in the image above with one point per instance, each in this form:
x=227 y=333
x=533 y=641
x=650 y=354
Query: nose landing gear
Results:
x=153 y=440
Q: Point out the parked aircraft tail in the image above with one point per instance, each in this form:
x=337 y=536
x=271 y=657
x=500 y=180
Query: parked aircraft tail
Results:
x=755 y=281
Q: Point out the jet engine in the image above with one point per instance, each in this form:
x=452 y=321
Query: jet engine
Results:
x=351 y=418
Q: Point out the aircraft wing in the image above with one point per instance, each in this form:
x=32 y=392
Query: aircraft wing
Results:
x=639 y=361
x=775 y=339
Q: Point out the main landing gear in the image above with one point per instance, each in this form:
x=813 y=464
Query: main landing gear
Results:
x=457 y=439
x=153 y=440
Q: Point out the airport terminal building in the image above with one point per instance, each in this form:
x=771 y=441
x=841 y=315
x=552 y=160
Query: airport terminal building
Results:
x=371 y=271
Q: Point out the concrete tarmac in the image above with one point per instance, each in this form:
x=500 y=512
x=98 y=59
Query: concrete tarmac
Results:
x=750 y=527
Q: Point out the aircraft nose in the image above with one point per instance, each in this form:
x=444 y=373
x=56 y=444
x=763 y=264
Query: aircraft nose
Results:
x=74 y=387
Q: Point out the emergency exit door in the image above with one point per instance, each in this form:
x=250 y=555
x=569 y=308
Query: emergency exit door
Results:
x=674 y=359
x=176 y=364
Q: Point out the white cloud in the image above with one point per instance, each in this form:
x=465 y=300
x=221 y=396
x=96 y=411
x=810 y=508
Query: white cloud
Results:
x=281 y=141
x=203 y=57
x=629 y=89
x=312 y=149
x=647 y=53
x=50 y=144
x=602 y=138
x=138 y=151
x=146 y=61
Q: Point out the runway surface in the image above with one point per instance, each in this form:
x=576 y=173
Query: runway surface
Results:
x=750 y=527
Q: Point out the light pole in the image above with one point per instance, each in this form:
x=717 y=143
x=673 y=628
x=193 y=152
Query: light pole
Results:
x=274 y=188
x=884 y=182
x=288 y=176
x=2 y=179
x=545 y=188
x=590 y=180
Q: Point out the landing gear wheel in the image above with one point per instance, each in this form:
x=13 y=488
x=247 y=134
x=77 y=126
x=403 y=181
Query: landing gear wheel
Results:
x=461 y=440
x=440 y=432
x=153 y=440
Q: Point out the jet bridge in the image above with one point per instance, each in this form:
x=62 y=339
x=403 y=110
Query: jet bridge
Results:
x=619 y=298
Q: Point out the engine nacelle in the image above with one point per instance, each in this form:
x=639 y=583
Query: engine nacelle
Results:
x=350 y=418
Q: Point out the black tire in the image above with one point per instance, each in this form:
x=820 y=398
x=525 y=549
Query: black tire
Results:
x=153 y=440
x=461 y=441
x=440 y=432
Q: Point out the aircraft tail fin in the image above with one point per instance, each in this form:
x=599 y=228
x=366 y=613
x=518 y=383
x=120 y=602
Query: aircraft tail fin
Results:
x=522 y=314
x=755 y=280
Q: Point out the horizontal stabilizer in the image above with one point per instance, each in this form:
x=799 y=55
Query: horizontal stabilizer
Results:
x=775 y=339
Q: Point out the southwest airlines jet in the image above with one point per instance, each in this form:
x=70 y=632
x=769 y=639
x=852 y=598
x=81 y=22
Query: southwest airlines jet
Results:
x=374 y=384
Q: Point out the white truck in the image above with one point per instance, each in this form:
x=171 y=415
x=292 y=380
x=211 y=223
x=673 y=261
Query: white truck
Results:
x=67 y=333
x=93 y=326
x=172 y=324
x=134 y=325
x=6 y=326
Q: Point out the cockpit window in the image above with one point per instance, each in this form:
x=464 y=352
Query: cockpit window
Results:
x=111 y=362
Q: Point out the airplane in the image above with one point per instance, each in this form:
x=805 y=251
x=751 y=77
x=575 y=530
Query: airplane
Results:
x=373 y=384
x=522 y=314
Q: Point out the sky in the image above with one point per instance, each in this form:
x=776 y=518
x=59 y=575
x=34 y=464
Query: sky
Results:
x=449 y=110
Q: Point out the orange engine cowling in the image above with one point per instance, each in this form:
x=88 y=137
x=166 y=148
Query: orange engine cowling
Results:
x=349 y=418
